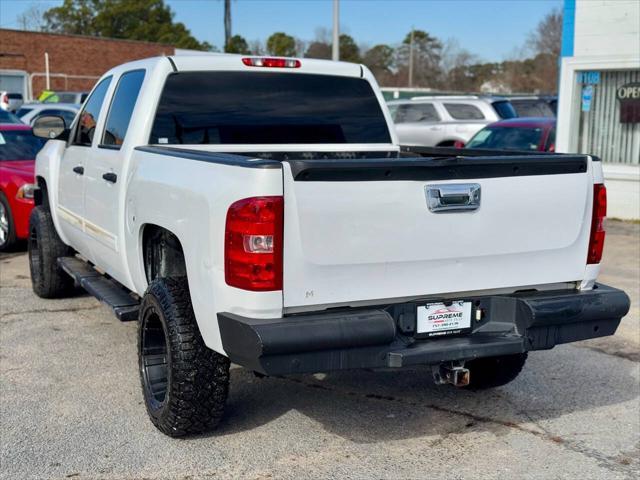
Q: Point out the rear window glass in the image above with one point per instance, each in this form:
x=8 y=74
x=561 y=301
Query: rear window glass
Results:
x=507 y=138
x=532 y=108
x=504 y=109
x=463 y=111
x=15 y=96
x=418 y=112
x=19 y=145
x=269 y=108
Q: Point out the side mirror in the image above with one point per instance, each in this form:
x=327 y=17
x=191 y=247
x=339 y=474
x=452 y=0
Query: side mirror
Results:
x=50 y=127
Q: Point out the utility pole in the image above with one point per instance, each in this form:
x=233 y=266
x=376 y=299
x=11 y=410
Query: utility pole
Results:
x=335 y=47
x=227 y=23
x=411 y=59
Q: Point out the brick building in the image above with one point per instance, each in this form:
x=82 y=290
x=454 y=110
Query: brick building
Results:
x=75 y=61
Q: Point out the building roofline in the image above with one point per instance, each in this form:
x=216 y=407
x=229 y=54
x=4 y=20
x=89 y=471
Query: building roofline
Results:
x=110 y=39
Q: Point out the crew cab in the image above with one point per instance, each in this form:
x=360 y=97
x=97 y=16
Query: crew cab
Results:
x=260 y=211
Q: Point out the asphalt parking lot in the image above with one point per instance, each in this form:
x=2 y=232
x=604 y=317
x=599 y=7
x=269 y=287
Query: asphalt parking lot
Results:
x=70 y=406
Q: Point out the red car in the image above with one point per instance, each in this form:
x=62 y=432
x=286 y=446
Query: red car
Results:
x=18 y=149
x=517 y=134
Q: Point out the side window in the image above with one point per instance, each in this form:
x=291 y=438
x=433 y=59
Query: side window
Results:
x=90 y=113
x=417 y=112
x=124 y=100
x=463 y=111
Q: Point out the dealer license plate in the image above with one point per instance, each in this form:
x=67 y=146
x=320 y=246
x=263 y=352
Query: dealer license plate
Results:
x=436 y=319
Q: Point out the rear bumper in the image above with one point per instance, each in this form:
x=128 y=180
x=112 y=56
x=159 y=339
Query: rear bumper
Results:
x=384 y=336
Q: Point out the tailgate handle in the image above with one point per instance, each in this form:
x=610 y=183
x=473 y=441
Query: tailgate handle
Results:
x=454 y=197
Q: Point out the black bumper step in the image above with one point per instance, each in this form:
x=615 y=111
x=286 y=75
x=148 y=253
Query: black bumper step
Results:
x=382 y=337
x=109 y=292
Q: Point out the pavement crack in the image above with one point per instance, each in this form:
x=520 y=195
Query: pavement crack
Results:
x=48 y=310
x=610 y=463
x=605 y=461
x=626 y=352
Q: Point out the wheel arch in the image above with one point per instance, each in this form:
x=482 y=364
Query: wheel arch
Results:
x=41 y=195
x=162 y=253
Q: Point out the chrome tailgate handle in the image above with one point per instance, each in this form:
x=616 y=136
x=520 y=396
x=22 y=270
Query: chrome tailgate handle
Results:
x=454 y=197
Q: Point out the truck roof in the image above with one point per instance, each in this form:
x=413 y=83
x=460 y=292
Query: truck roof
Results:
x=217 y=62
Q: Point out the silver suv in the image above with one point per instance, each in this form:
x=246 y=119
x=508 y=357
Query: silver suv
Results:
x=444 y=120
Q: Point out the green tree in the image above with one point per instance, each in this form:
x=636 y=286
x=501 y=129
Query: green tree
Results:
x=75 y=17
x=318 y=49
x=349 y=51
x=237 y=44
x=379 y=59
x=427 y=51
x=282 y=45
x=147 y=20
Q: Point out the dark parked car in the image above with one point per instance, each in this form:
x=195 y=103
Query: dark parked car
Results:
x=535 y=106
x=517 y=134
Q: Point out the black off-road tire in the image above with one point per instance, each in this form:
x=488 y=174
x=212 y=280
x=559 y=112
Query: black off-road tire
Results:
x=184 y=383
x=10 y=233
x=493 y=372
x=48 y=280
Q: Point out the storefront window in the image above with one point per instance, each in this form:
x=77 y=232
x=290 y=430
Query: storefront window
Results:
x=609 y=127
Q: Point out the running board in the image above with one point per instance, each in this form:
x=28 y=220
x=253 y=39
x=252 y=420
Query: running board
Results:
x=108 y=291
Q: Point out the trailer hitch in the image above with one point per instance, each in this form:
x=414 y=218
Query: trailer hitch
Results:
x=455 y=374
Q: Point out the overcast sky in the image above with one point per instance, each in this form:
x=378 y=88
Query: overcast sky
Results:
x=491 y=29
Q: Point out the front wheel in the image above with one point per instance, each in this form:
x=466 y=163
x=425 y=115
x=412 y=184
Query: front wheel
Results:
x=184 y=383
x=493 y=372
x=45 y=247
x=7 y=229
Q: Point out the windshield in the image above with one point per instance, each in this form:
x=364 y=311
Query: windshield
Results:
x=19 y=145
x=8 y=117
x=23 y=111
x=268 y=108
x=504 y=109
x=508 y=138
x=532 y=108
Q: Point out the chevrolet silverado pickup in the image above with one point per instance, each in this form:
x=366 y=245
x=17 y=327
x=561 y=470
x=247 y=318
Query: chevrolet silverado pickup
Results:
x=260 y=211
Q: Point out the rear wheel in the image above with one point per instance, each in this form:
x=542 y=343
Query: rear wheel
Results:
x=184 y=383
x=48 y=280
x=7 y=229
x=493 y=372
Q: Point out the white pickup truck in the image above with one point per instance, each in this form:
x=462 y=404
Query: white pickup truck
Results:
x=260 y=211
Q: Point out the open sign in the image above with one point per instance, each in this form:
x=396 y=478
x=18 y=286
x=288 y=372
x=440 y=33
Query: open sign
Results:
x=629 y=97
x=630 y=91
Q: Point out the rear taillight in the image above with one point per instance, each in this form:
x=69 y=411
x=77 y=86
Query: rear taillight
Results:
x=596 y=239
x=271 y=62
x=253 y=244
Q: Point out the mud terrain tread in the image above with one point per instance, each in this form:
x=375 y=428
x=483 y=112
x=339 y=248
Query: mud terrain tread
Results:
x=199 y=377
x=48 y=280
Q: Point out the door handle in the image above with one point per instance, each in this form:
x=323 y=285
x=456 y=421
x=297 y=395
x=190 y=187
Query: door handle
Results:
x=454 y=197
x=79 y=170
x=110 y=177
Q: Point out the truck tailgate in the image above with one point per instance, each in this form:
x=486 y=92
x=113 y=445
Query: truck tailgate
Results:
x=362 y=230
